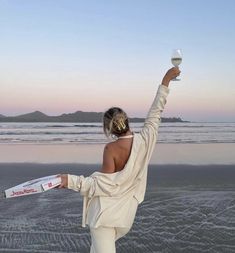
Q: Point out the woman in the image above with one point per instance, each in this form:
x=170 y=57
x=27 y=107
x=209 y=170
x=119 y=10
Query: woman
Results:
x=111 y=197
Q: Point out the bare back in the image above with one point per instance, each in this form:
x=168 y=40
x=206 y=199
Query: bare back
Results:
x=121 y=150
x=116 y=154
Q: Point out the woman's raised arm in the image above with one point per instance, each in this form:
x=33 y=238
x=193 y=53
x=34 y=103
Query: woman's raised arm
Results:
x=153 y=119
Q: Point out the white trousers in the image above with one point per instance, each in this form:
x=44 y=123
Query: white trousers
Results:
x=103 y=239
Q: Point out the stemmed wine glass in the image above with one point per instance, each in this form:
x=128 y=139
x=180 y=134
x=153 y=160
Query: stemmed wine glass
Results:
x=176 y=59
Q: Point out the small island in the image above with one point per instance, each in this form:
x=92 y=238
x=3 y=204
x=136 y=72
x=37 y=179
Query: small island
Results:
x=78 y=116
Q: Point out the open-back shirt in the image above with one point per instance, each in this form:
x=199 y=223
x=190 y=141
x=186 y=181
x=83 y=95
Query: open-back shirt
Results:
x=112 y=193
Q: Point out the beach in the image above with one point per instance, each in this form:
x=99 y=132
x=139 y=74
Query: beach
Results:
x=187 y=208
x=73 y=72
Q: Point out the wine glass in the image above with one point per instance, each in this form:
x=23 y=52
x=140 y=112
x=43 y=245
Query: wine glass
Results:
x=176 y=59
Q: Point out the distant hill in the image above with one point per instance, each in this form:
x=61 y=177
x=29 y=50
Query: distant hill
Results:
x=78 y=116
x=30 y=117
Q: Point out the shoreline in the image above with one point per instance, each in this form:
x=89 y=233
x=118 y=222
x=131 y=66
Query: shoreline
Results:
x=164 y=153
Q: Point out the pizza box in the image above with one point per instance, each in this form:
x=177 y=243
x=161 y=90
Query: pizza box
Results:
x=33 y=186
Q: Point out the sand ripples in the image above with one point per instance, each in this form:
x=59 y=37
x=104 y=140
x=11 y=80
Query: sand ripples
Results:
x=167 y=221
x=171 y=219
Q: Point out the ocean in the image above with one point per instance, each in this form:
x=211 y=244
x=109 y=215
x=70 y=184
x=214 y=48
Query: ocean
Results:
x=90 y=133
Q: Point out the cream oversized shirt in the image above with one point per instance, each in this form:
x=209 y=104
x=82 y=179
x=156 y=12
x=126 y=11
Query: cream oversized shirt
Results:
x=109 y=198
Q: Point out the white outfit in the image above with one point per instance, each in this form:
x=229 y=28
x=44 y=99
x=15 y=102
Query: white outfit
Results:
x=111 y=199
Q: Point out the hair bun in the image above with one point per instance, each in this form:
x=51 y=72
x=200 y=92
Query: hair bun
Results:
x=115 y=122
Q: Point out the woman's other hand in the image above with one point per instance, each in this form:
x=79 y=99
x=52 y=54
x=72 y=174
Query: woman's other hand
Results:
x=170 y=74
x=64 y=181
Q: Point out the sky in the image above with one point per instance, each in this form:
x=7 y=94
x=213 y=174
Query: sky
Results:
x=61 y=56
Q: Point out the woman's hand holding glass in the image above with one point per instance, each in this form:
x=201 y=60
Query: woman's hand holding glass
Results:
x=171 y=74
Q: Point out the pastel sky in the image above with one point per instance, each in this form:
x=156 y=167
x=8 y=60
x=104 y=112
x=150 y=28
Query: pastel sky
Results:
x=60 y=56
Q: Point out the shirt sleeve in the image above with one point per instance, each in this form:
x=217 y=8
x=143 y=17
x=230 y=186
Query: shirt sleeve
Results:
x=153 y=119
x=84 y=185
x=94 y=185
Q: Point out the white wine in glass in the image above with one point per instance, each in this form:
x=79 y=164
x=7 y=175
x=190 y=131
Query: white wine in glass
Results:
x=176 y=59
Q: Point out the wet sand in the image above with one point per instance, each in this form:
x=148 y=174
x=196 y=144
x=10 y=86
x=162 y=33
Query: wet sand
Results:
x=186 y=209
x=198 y=154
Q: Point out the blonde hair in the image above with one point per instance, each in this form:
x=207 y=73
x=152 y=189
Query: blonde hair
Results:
x=115 y=122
